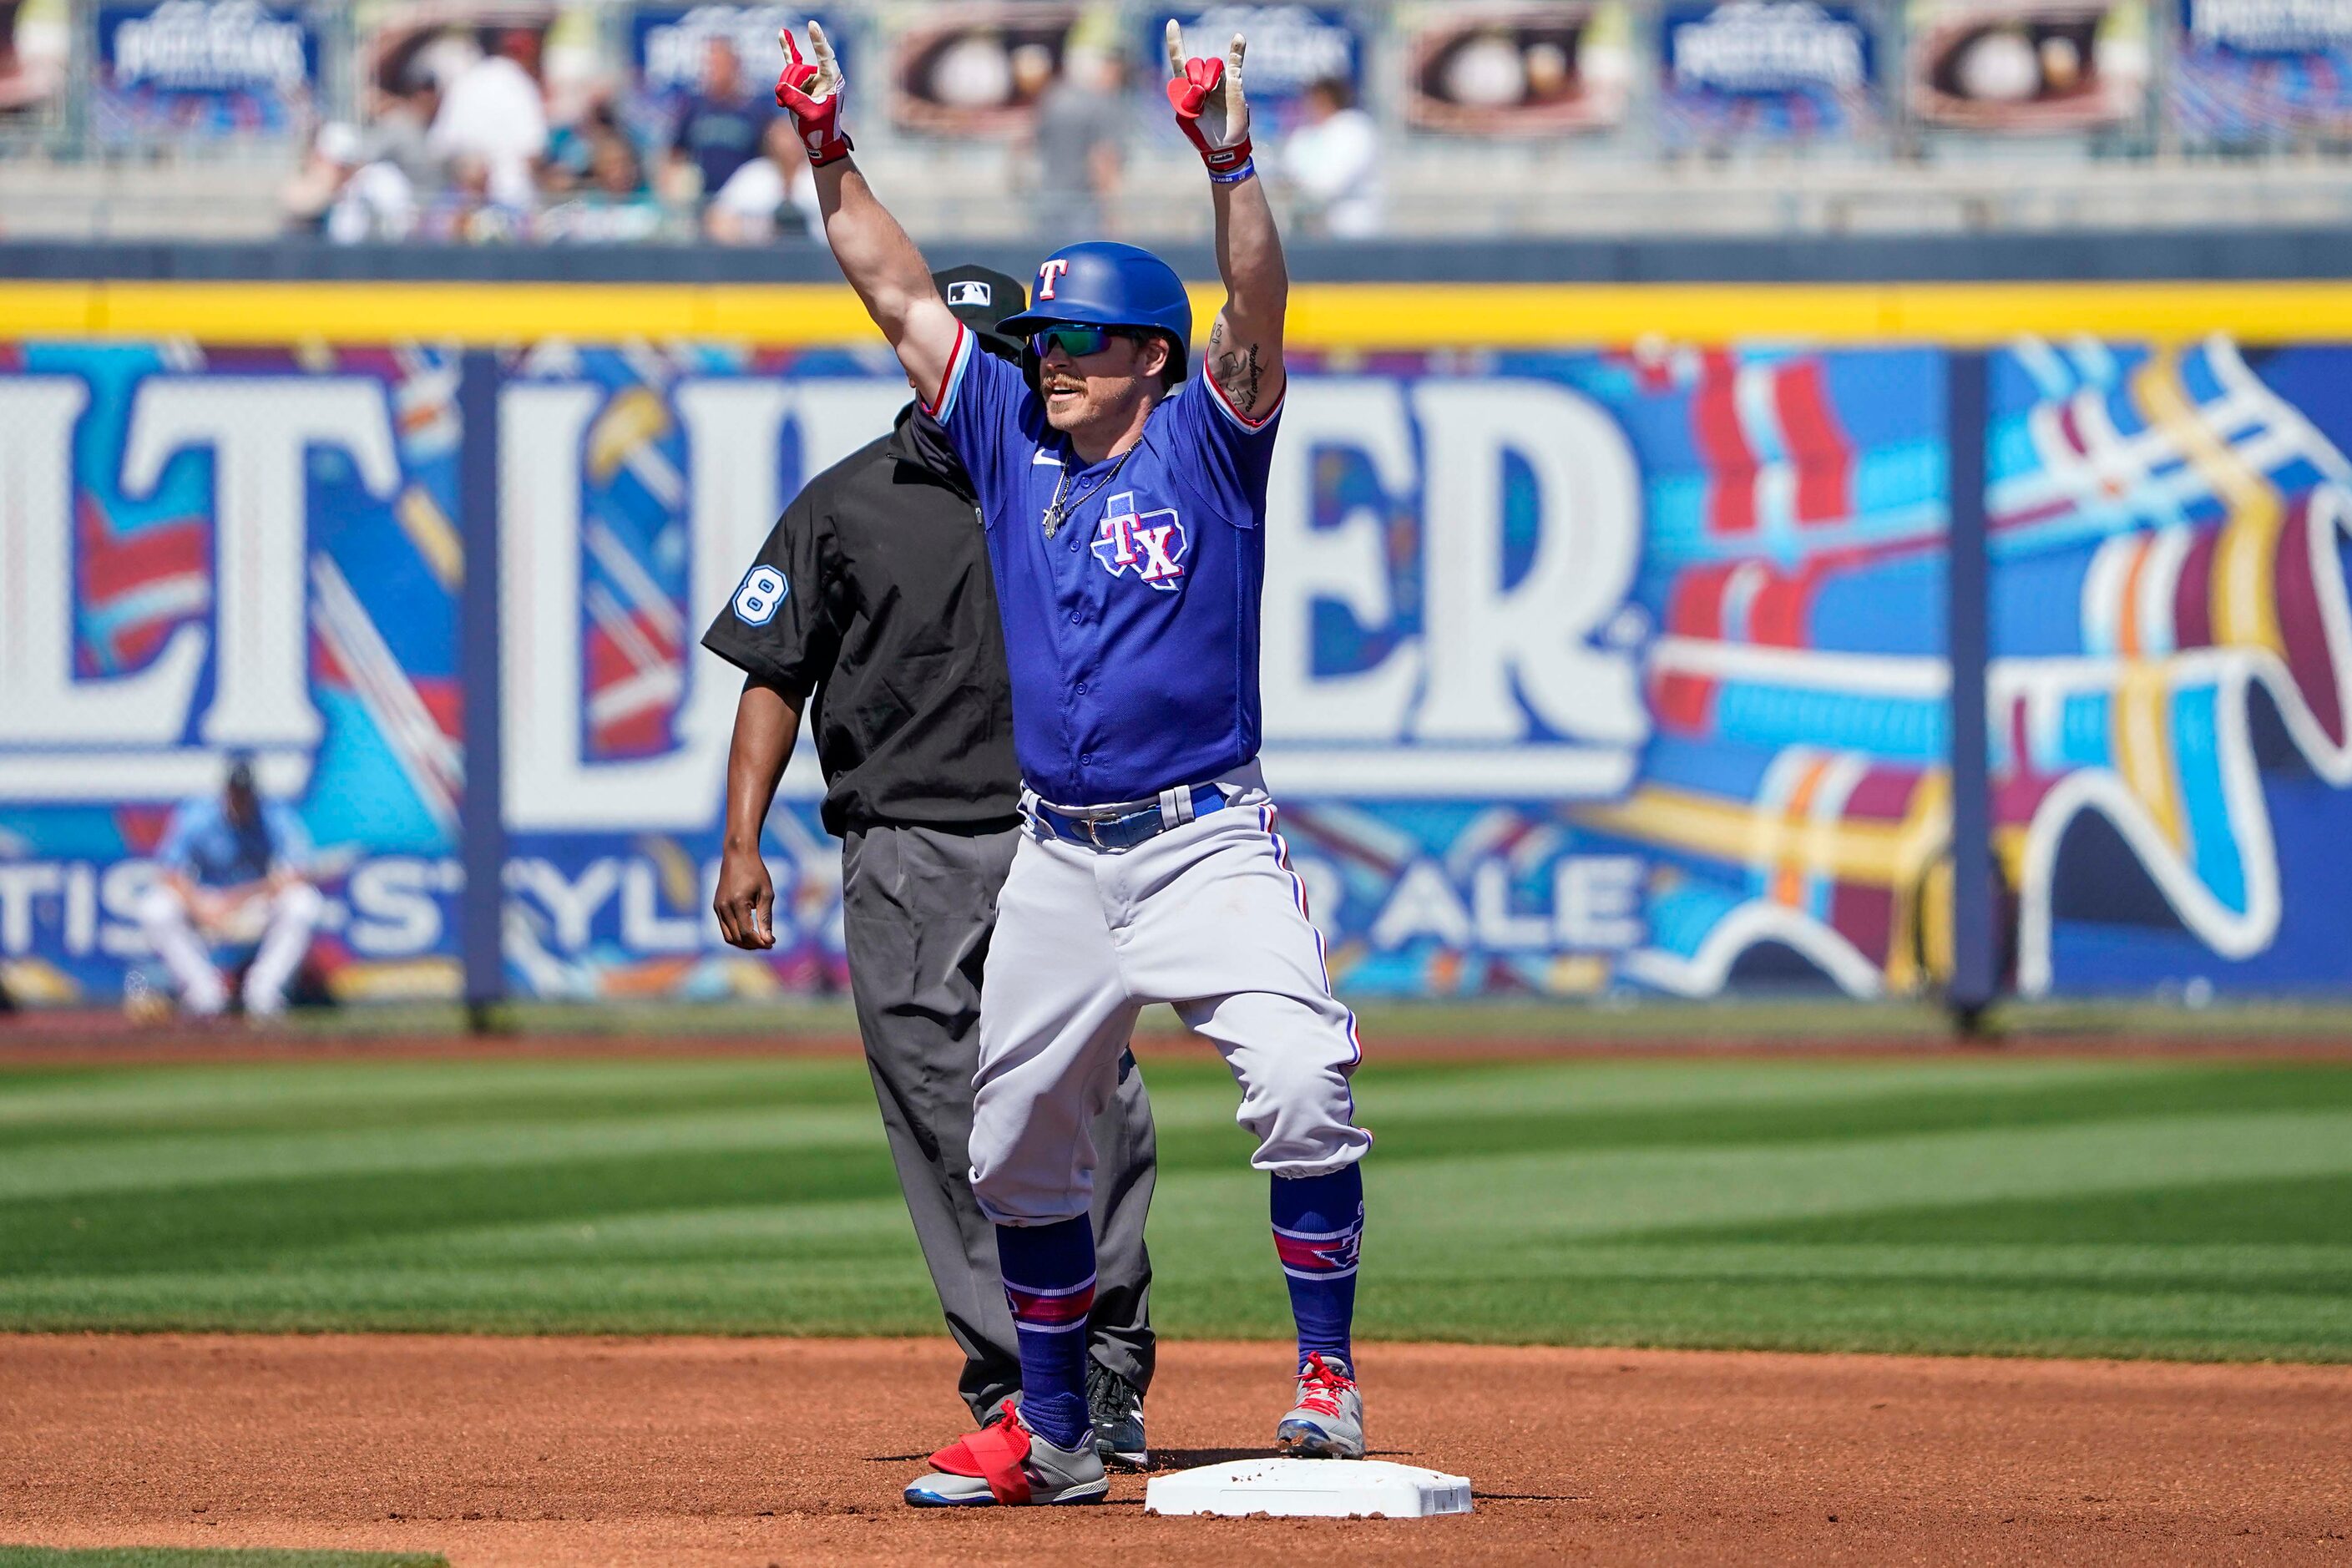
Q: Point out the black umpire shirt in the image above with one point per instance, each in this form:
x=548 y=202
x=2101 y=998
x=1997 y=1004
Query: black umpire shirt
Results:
x=876 y=598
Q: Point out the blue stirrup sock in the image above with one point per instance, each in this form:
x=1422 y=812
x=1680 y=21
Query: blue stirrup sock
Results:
x=1319 y=1227
x=1049 y=1283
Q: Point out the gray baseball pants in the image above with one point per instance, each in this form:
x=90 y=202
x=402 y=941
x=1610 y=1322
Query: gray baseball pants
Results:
x=918 y=906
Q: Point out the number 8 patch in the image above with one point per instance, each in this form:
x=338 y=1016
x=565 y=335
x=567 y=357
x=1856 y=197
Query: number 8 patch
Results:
x=763 y=589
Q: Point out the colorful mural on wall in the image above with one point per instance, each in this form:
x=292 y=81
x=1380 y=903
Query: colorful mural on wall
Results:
x=1611 y=671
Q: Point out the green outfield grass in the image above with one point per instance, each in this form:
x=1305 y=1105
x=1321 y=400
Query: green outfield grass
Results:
x=2093 y=1207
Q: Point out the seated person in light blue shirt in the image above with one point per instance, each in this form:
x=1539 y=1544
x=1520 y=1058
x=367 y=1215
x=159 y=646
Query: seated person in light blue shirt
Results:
x=233 y=875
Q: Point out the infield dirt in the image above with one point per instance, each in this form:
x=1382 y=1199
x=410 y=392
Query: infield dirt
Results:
x=582 y=1451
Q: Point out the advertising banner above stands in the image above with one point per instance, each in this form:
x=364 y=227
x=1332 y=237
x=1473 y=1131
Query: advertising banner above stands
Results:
x=1530 y=69
x=1751 y=71
x=980 y=68
x=669 y=49
x=415 y=46
x=2029 y=67
x=2249 y=73
x=1291 y=48
x=36 y=44
x=1586 y=668
x=201 y=70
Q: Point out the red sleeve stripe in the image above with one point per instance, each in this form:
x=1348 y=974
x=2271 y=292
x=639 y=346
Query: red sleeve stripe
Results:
x=950 y=378
x=1235 y=415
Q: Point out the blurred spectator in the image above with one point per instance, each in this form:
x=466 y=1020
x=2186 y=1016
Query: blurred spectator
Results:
x=722 y=129
x=490 y=110
x=770 y=196
x=344 y=196
x=1333 y=164
x=466 y=212
x=234 y=877
x=1079 y=135
x=400 y=116
x=572 y=149
x=615 y=207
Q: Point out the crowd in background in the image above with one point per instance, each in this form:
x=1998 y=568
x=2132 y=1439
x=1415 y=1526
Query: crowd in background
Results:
x=466 y=146
x=636 y=120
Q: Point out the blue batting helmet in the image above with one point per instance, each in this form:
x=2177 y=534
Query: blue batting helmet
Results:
x=1102 y=283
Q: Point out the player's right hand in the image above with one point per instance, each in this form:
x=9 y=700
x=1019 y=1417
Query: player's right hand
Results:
x=746 y=901
x=811 y=91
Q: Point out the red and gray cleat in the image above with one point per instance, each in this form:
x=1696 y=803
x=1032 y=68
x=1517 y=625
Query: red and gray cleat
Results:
x=1004 y=1462
x=1328 y=1423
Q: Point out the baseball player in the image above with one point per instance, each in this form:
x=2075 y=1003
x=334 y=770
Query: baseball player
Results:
x=1123 y=502
x=234 y=872
x=872 y=597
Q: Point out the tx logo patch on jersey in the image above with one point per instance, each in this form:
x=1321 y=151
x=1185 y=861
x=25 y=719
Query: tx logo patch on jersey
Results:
x=1151 y=545
x=763 y=589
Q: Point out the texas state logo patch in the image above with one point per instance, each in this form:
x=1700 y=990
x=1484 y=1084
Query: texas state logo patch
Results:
x=1151 y=544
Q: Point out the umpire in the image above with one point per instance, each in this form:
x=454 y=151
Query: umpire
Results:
x=872 y=594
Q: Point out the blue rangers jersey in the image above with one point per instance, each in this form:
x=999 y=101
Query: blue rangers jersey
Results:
x=1132 y=632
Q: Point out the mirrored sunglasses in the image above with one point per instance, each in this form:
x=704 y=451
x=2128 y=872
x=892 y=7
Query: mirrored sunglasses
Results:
x=1073 y=341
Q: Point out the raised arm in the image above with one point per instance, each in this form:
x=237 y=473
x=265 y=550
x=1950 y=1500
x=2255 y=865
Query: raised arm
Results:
x=1245 y=344
x=874 y=254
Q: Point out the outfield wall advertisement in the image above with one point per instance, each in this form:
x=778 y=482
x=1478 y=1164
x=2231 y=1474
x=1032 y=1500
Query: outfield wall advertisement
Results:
x=1613 y=670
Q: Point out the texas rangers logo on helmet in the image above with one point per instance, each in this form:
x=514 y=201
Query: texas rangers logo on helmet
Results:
x=1151 y=544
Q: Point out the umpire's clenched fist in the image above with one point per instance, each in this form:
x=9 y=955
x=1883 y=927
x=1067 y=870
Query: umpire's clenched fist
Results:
x=746 y=901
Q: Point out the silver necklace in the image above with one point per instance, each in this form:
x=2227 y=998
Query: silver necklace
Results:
x=1058 y=513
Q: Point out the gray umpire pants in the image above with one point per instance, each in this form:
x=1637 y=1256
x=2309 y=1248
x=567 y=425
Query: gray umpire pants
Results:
x=918 y=907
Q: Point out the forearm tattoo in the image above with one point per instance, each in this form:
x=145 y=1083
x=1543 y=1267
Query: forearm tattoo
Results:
x=1236 y=370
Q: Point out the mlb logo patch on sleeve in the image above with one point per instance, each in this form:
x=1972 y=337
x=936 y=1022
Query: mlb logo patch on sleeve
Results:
x=763 y=589
x=970 y=291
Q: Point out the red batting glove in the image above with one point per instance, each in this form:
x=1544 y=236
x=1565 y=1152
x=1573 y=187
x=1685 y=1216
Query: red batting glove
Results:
x=811 y=91
x=1206 y=95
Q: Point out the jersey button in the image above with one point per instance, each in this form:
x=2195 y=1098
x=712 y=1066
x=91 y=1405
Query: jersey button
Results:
x=1085 y=759
x=1082 y=689
x=1076 y=618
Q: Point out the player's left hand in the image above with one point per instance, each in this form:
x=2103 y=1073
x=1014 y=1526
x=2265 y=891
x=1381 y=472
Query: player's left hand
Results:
x=1207 y=97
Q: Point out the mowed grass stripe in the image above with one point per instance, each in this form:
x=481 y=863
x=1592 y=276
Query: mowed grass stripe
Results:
x=836 y=1296
x=2055 y=1101
x=1519 y=1200
x=252 y=1222
x=1195 y=1118
x=250 y=1101
x=485 y=1151
x=2110 y=1208
x=261 y=1100
x=49 y=1102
